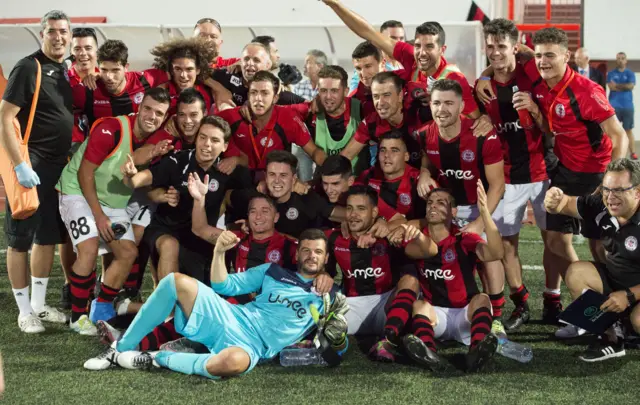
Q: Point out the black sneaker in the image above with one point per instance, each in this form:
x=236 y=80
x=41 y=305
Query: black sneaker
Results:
x=602 y=350
x=481 y=353
x=421 y=354
x=519 y=317
x=551 y=313
x=65 y=298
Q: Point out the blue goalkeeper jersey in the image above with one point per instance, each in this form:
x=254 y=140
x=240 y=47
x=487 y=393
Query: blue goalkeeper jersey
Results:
x=280 y=313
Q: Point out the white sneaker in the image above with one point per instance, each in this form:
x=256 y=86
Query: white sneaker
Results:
x=107 y=359
x=136 y=360
x=50 y=314
x=569 y=332
x=84 y=326
x=30 y=324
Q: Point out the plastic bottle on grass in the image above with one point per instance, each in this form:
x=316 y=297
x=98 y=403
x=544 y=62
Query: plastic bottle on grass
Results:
x=513 y=350
x=294 y=357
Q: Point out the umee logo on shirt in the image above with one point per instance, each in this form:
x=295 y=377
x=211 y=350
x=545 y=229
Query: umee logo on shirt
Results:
x=369 y=272
x=437 y=274
x=296 y=306
x=457 y=174
x=508 y=127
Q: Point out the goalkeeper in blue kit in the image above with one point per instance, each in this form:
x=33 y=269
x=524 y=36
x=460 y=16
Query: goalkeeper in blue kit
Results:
x=237 y=336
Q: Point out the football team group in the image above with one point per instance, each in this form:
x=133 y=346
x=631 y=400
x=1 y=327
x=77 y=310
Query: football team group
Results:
x=275 y=215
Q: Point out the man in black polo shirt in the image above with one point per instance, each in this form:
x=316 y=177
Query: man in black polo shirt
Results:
x=615 y=214
x=296 y=212
x=172 y=244
x=232 y=89
x=48 y=146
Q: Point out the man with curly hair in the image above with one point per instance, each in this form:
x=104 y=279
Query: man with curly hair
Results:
x=187 y=62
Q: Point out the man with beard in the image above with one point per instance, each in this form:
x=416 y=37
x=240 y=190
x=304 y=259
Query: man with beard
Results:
x=172 y=244
x=232 y=89
x=452 y=307
x=375 y=277
x=93 y=206
x=237 y=336
x=615 y=213
x=272 y=127
x=337 y=118
x=457 y=160
x=211 y=31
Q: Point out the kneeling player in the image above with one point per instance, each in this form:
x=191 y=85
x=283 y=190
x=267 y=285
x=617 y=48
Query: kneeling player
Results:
x=374 y=277
x=237 y=336
x=452 y=308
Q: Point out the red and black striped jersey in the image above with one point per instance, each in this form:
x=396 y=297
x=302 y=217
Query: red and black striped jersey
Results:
x=457 y=163
x=524 y=150
x=448 y=279
x=100 y=103
x=366 y=271
x=175 y=92
x=277 y=248
x=396 y=195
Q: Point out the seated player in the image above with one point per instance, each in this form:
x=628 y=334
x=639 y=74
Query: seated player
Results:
x=237 y=336
x=452 y=307
x=94 y=207
x=374 y=278
x=232 y=89
x=171 y=243
x=456 y=159
x=187 y=62
x=394 y=179
x=115 y=90
x=272 y=128
x=615 y=213
x=297 y=212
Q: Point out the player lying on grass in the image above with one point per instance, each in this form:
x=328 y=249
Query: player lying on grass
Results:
x=237 y=336
x=452 y=307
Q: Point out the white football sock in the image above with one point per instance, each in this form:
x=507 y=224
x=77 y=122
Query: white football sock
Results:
x=22 y=299
x=38 y=293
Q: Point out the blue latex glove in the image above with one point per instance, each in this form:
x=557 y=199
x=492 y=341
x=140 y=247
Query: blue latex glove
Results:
x=27 y=177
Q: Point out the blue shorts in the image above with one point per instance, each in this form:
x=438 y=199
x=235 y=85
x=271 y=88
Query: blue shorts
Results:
x=219 y=325
x=625 y=116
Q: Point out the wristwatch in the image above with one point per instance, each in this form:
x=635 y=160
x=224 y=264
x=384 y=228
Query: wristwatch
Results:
x=631 y=297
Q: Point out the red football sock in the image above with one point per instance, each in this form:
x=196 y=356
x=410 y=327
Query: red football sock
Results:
x=163 y=333
x=520 y=296
x=480 y=325
x=107 y=294
x=497 y=303
x=399 y=313
x=421 y=327
x=81 y=286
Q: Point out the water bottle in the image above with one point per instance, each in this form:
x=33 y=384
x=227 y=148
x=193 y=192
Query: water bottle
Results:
x=526 y=121
x=293 y=357
x=514 y=351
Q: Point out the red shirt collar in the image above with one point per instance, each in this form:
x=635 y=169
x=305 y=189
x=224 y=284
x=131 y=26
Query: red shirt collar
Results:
x=441 y=66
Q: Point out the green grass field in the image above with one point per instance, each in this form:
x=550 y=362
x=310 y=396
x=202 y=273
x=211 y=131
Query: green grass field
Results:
x=47 y=369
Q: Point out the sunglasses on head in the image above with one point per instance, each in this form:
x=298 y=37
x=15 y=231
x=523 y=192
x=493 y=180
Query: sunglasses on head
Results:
x=210 y=21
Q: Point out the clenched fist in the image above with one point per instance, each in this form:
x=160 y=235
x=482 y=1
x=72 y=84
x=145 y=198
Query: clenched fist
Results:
x=554 y=200
x=226 y=241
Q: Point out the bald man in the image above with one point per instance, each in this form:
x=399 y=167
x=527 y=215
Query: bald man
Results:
x=583 y=68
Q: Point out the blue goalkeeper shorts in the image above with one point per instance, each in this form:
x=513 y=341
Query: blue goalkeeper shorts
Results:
x=219 y=325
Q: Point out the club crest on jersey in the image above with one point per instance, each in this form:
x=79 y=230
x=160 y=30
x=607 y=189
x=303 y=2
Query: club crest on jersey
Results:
x=449 y=256
x=560 y=112
x=264 y=140
x=631 y=243
x=292 y=213
x=405 y=199
x=274 y=256
x=214 y=185
x=468 y=156
x=378 y=249
x=138 y=98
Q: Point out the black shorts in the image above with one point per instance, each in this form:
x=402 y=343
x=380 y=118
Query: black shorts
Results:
x=614 y=282
x=44 y=227
x=195 y=254
x=574 y=184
